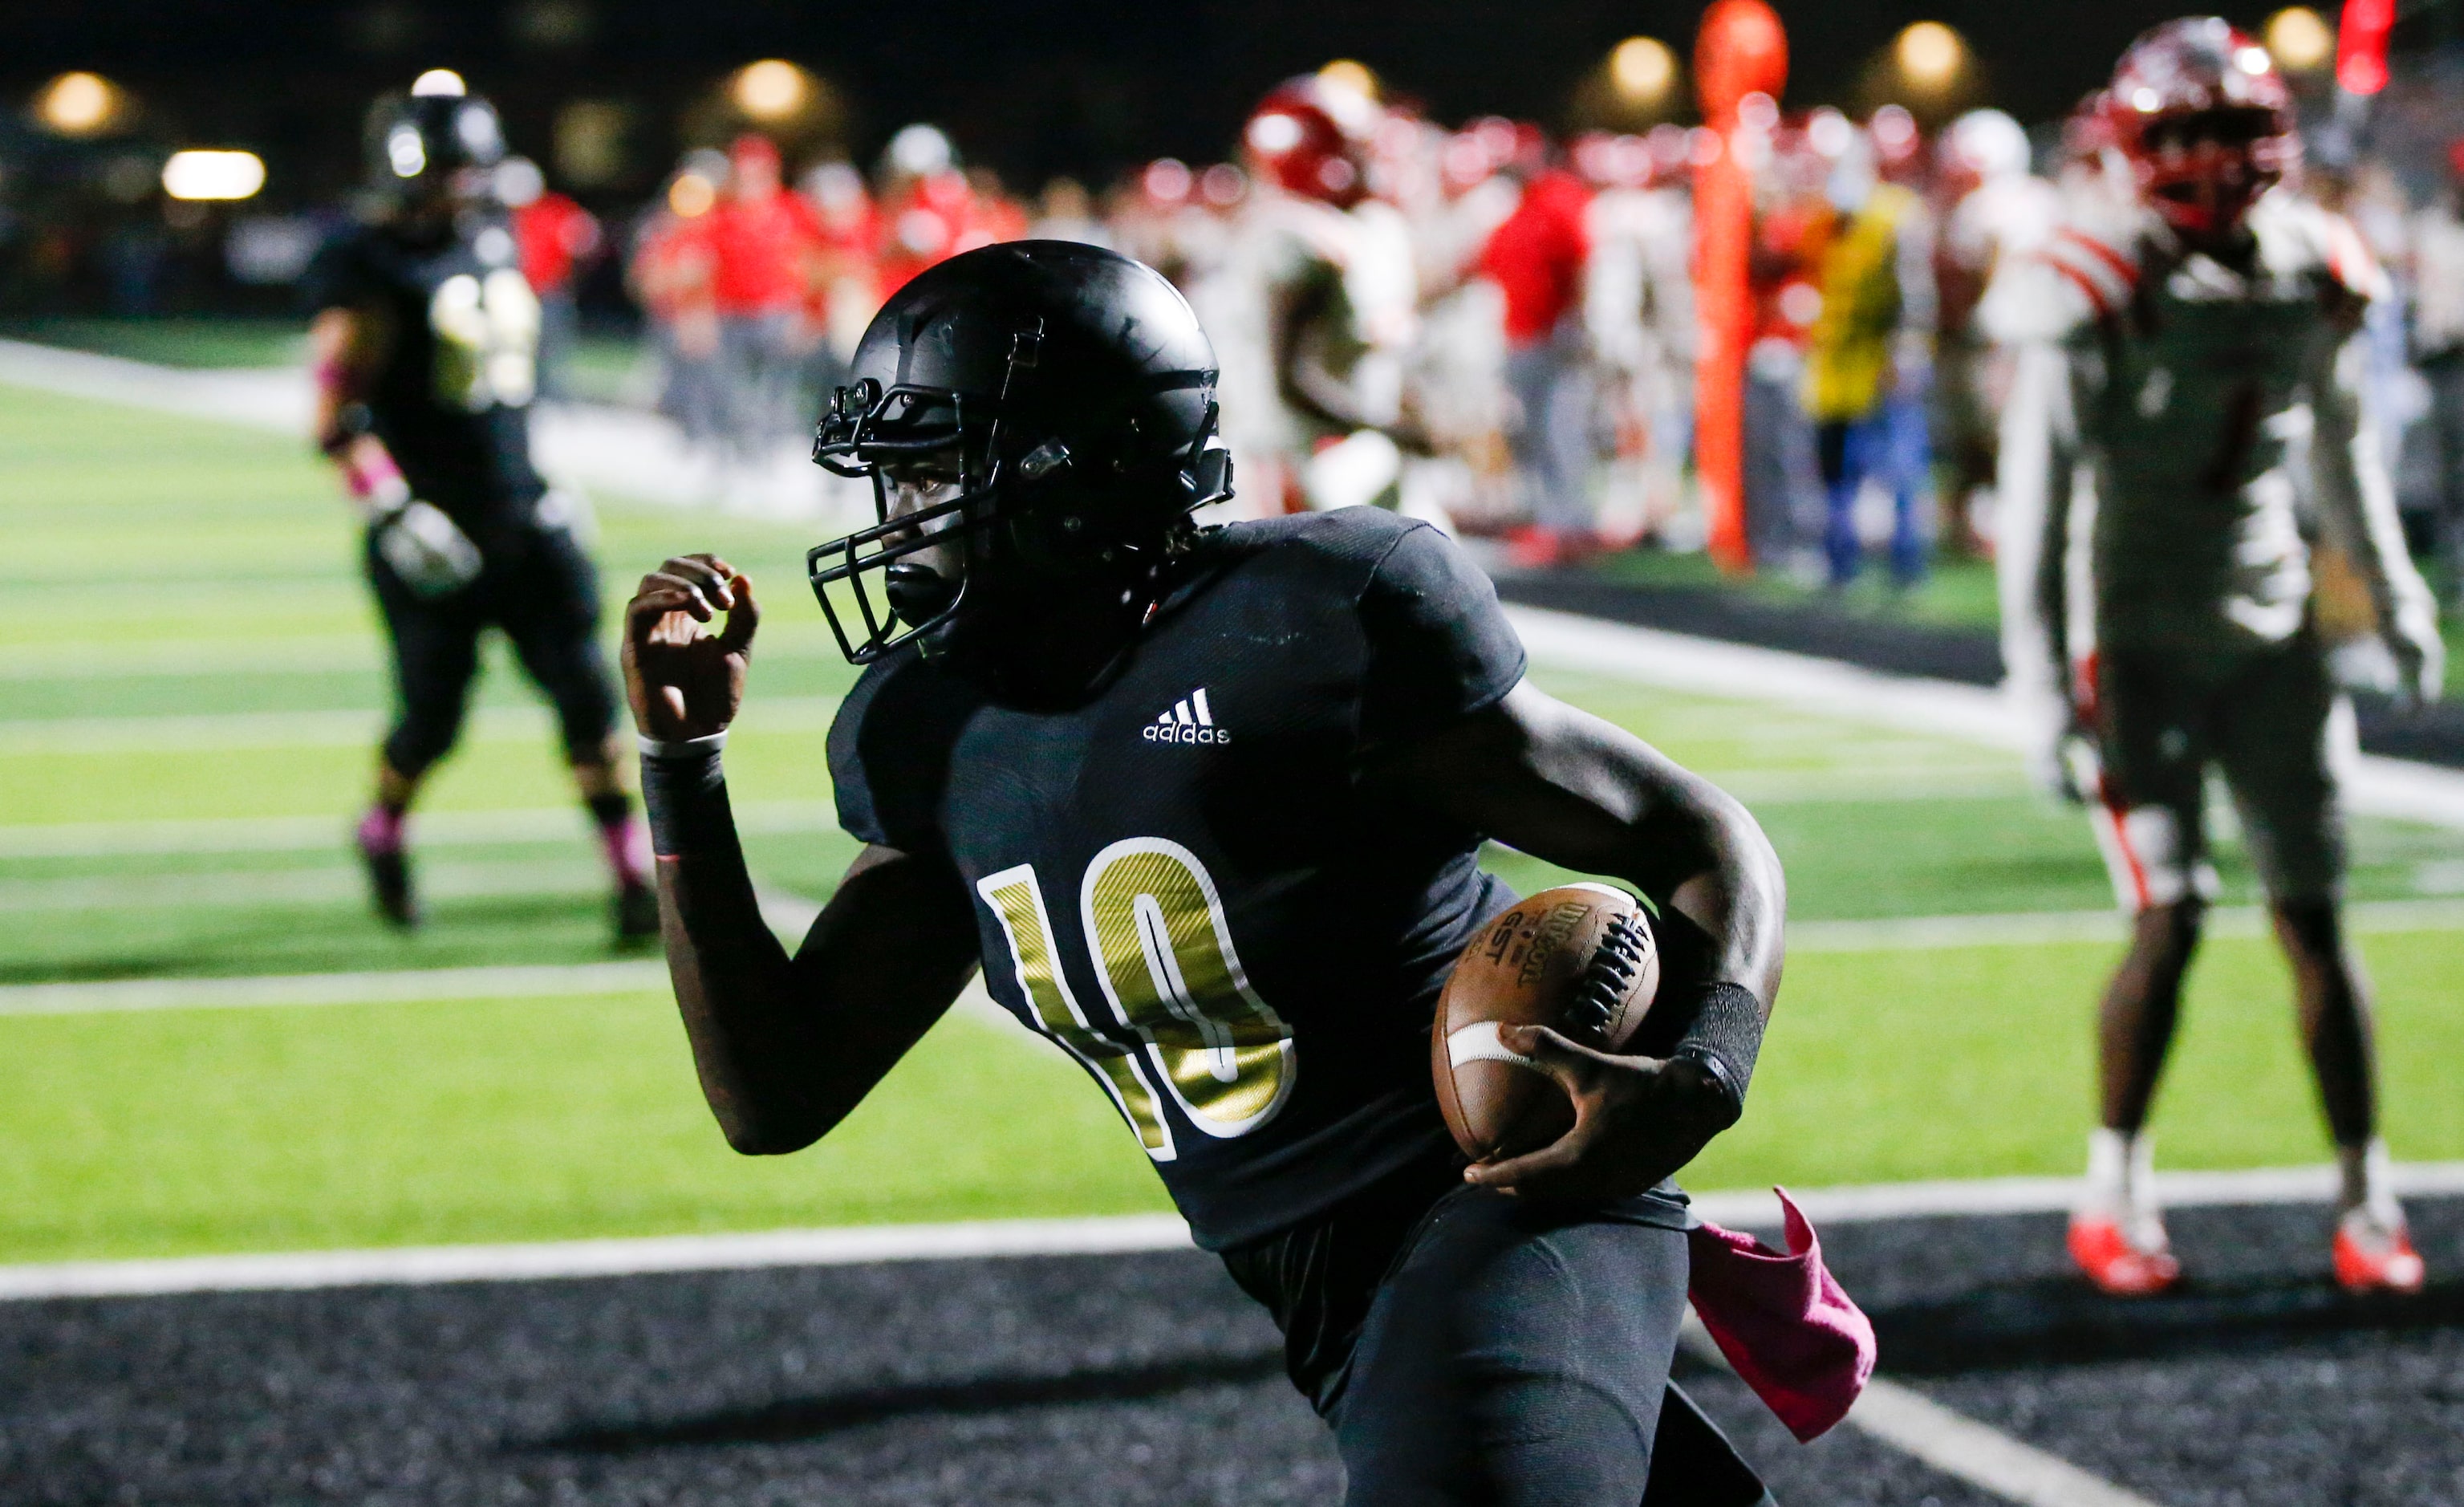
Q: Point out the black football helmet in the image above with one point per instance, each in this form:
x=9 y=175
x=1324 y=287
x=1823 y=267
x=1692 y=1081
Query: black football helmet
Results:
x=1062 y=399
x=438 y=140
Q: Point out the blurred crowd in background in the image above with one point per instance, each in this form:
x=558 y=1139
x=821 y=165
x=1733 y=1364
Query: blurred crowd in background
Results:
x=1483 y=324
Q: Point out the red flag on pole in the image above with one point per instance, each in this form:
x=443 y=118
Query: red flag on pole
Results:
x=1740 y=51
x=2362 y=46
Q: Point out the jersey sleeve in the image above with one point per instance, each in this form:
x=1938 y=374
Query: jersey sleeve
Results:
x=888 y=749
x=1440 y=647
x=338 y=276
x=2084 y=273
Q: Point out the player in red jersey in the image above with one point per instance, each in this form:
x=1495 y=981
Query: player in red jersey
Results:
x=2203 y=321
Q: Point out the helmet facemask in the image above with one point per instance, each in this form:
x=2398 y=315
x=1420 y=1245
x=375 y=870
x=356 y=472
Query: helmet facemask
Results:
x=2202 y=173
x=992 y=536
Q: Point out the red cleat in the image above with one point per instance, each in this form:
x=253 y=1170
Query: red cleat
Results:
x=2104 y=1251
x=2372 y=1258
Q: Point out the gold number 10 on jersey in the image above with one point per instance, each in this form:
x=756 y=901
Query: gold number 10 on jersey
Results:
x=1164 y=955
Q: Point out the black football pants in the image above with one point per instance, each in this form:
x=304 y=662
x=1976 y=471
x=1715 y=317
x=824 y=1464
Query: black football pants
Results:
x=1498 y=1352
x=537 y=585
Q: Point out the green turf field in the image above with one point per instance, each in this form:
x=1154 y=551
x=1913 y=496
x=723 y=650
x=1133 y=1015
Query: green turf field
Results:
x=188 y=691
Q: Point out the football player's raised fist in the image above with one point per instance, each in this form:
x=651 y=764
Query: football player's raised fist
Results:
x=682 y=680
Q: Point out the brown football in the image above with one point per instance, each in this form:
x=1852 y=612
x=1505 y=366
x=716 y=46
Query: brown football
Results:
x=1581 y=959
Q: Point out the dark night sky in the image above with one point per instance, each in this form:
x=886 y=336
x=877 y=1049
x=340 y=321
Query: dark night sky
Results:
x=1032 y=86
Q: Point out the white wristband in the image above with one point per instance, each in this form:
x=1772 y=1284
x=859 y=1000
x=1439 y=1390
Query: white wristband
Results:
x=680 y=747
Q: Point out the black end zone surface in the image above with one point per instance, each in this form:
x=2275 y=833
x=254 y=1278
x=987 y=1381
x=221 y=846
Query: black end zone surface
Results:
x=1151 y=1378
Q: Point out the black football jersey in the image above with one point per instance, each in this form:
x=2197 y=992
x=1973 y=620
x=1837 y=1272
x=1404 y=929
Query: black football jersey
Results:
x=458 y=363
x=1185 y=883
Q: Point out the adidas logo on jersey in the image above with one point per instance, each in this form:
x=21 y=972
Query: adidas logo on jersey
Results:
x=1189 y=720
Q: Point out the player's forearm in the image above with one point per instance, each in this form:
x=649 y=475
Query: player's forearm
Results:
x=2357 y=497
x=734 y=983
x=786 y=1048
x=734 y=990
x=338 y=370
x=1573 y=789
x=1306 y=385
x=1737 y=893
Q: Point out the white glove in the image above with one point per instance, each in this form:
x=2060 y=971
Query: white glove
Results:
x=2051 y=732
x=432 y=555
x=2420 y=656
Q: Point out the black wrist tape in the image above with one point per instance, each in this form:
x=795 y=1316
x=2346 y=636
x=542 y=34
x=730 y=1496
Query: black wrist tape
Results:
x=1725 y=1036
x=685 y=801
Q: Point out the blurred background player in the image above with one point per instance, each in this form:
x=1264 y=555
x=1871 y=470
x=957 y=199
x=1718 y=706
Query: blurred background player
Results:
x=2198 y=318
x=1537 y=258
x=2437 y=253
x=765 y=248
x=1321 y=307
x=1638 y=302
x=1995 y=208
x=1793 y=222
x=1869 y=353
x=671 y=276
x=554 y=236
x=424 y=345
x=841 y=292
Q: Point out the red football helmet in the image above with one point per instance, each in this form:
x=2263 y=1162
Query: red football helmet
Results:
x=2205 y=122
x=1311 y=139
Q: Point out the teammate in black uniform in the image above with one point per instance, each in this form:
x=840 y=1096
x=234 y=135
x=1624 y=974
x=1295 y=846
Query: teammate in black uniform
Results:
x=1205 y=806
x=424 y=342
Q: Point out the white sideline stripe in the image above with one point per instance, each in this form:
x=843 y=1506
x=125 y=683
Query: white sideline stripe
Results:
x=1979 y=1454
x=1752 y=1209
x=326 y=729
x=1097 y=1235
x=1094 y=1234
x=2376 y=786
x=1951 y=1442
x=625 y=451
x=307 y=834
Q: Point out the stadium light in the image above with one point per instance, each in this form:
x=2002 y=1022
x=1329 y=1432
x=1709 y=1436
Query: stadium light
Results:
x=2300 y=41
x=1345 y=74
x=1643 y=69
x=692 y=196
x=1931 y=54
x=772 y=89
x=201 y=175
x=77 y=103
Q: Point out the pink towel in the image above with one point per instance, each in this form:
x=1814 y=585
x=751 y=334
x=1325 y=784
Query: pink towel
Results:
x=1783 y=1322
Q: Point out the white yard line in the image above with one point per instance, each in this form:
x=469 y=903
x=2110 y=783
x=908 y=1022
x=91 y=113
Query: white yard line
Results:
x=1953 y=1442
x=329 y=729
x=310 y=834
x=305 y=653
x=324 y=886
x=2375 y=786
x=791 y=915
x=1925 y=933
x=406 y=985
x=1978 y=1453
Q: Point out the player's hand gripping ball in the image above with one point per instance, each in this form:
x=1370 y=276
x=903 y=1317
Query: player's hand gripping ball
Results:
x=1581 y=960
